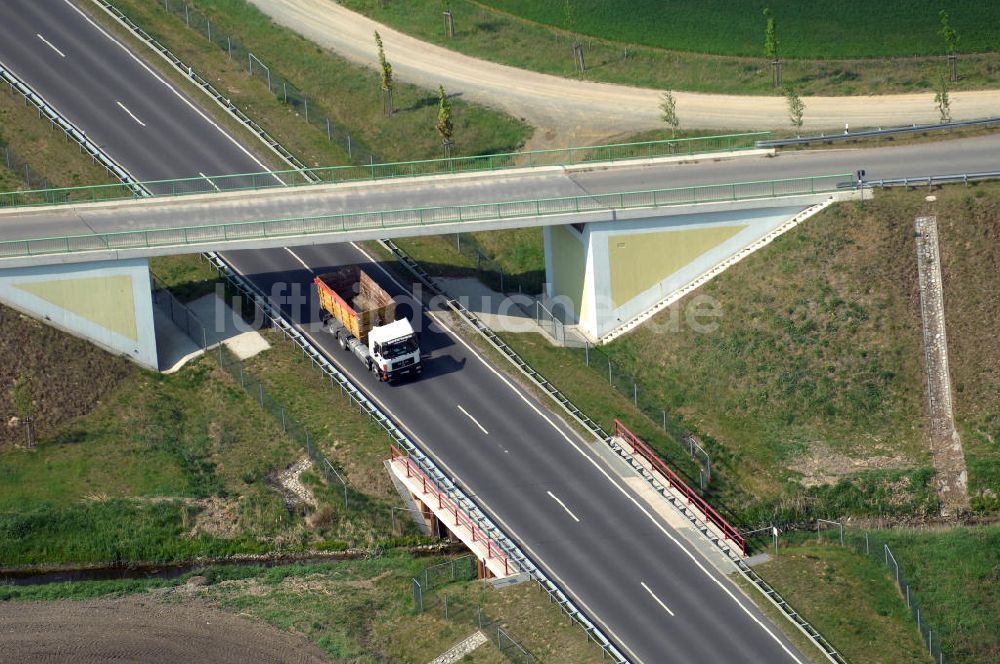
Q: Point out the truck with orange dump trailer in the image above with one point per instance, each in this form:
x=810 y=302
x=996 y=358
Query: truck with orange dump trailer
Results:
x=362 y=316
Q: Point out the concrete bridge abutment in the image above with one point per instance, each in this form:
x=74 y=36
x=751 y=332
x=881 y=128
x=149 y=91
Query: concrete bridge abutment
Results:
x=108 y=303
x=607 y=276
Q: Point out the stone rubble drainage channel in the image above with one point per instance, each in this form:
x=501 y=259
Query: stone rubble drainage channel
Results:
x=290 y=480
x=460 y=649
x=946 y=446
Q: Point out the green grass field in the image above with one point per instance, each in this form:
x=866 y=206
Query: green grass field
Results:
x=168 y=467
x=658 y=46
x=33 y=139
x=852 y=598
x=838 y=29
x=355 y=610
x=955 y=575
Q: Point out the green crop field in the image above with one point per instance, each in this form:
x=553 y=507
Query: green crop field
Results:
x=837 y=29
x=714 y=47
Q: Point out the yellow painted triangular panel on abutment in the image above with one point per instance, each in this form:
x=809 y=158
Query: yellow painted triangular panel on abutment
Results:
x=639 y=261
x=104 y=301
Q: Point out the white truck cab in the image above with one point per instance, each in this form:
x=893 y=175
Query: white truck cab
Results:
x=394 y=349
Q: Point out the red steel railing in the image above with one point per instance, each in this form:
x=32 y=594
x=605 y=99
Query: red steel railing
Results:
x=642 y=449
x=445 y=503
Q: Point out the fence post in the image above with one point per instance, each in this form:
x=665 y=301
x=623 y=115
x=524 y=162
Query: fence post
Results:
x=586 y=350
x=418 y=595
x=261 y=386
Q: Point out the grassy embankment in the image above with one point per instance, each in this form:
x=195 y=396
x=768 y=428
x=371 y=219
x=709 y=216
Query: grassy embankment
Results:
x=853 y=600
x=131 y=465
x=358 y=611
x=51 y=156
x=826 y=51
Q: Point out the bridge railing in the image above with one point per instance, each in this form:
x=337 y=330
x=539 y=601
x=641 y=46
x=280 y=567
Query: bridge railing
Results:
x=641 y=448
x=458 y=519
x=214 y=234
x=375 y=171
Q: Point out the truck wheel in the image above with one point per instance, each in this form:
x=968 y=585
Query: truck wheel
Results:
x=341 y=341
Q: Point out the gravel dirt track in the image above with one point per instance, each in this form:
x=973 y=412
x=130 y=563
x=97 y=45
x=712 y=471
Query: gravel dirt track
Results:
x=142 y=629
x=566 y=112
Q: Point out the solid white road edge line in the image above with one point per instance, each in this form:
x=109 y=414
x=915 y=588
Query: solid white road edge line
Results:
x=475 y=421
x=131 y=114
x=658 y=600
x=296 y=256
x=209 y=180
x=50 y=45
x=563 y=505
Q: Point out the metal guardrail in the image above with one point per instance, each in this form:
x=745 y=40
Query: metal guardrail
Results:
x=772 y=595
x=931 y=180
x=376 y=171
x=441 y=481
x=872 y=133
x=593 y=632
x=129 y=188
x=206 y=87
x=674 y=482
x=420 y=217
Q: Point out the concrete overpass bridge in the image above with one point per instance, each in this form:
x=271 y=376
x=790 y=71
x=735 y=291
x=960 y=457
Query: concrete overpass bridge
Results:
x=622 y=235
x=610 y=255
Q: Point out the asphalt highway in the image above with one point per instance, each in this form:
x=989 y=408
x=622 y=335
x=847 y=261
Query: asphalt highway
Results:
x=602 y=545
x=650 y=591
